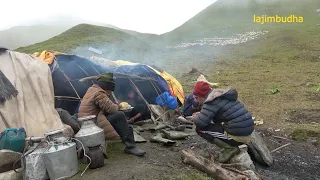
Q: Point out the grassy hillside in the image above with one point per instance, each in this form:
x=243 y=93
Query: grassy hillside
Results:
x=43 y=30
x=115 y=44
x=277 y=75
x=226 y=17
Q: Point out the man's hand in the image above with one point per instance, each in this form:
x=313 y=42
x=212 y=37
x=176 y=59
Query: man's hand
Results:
x=195 y=114
x=131 y=120
x=120 y=106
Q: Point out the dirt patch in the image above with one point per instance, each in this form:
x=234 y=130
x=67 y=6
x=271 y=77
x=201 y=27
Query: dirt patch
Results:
x=304 y=116
x=293 y=162
x=296 y=161
x=313 y=96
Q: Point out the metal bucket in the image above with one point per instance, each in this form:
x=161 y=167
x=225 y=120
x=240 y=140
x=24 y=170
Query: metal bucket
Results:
x=60 y=157
x=61 y=160
x=34 y=165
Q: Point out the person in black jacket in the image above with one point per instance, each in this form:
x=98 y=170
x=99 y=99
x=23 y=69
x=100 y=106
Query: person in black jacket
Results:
x=223 y=120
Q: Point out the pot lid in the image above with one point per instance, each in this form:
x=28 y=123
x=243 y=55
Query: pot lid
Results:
x=53 y=132
x=84 y=118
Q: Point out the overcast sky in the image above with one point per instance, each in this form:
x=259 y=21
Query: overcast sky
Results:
x=148 y=16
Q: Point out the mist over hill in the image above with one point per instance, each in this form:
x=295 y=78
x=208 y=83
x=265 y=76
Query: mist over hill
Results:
x=217 y=30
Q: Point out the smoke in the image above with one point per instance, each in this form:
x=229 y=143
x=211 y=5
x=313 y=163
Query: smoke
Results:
x=222 y=19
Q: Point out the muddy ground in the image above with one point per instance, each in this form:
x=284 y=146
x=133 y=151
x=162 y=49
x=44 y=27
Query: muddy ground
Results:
x=298 y=161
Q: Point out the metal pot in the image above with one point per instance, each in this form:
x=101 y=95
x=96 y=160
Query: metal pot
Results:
x=96 y=156
x=55 y=135
x=90 y=135
x=60 y=157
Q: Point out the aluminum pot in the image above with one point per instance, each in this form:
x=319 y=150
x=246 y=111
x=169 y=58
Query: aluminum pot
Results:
x=96 y=156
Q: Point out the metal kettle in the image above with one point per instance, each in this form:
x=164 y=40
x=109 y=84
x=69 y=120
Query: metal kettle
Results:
x=90 y=135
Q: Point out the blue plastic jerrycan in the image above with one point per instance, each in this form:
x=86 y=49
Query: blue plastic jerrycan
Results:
x=13 y=139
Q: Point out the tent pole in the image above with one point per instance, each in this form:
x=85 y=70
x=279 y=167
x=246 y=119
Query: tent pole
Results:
x=69 y=82
x=155 y=88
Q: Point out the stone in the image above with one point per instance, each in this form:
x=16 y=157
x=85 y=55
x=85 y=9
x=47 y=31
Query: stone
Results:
x=252 y=175
x=7 y=158
x=175 y=135
x=11 y=175
x=244 y=159
x=259 y=150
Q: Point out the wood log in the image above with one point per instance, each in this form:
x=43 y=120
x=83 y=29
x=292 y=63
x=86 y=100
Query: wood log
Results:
x=208 y=166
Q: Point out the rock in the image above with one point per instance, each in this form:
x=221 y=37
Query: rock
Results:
x=175 y=135
x=244 y=159
x=7 y=158
x=11 y=175
x=259 y=150
x=252 y=175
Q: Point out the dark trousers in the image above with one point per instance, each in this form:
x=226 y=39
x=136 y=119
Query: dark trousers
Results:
x=143 y=110
x=119 y=122
x=213 y=131
x=66 y=118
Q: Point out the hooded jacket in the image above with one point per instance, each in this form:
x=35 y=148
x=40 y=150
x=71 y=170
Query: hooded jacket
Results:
x=223 y=107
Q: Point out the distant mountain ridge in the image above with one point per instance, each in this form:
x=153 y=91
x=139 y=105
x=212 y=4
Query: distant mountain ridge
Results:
x=21 y=36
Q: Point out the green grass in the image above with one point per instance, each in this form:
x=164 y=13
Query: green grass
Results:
x=226 y=17
x=303 y=134
x=114 y=44
x=287 y=58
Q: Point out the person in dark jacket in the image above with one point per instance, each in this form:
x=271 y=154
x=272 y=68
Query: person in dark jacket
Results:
x=191 y=105
x=140 y=109
x=223 y=120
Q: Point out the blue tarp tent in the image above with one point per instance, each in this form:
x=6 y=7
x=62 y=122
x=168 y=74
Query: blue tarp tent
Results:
x=67 y=70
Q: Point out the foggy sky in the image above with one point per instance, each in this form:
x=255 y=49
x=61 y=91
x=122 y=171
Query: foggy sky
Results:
x=146 y=16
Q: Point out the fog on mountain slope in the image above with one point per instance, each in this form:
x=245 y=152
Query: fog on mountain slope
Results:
x=222 y=23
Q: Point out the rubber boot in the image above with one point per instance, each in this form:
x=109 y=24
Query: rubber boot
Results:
x=227 y=151
x=131 y=147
